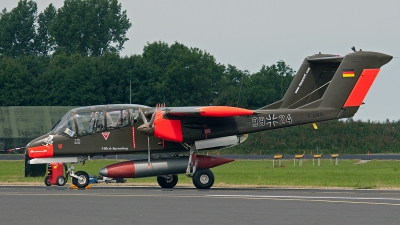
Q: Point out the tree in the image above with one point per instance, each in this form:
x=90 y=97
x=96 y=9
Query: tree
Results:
x=90 y=27
x=183 y=76
x=15 y=83
x=231 y=86
x=17 y=29
x=71 y=80
x=44 y=41
x=269 y=84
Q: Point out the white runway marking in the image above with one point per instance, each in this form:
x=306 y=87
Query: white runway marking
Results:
x=302 y=197
x=328 y=199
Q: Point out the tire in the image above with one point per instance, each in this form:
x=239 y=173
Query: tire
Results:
x=203 y=179
x=47 y=181
x=81 y=183
x=167 y=181
x=61 y=181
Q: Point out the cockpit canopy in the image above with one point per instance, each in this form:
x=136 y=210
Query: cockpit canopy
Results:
x=92 y=119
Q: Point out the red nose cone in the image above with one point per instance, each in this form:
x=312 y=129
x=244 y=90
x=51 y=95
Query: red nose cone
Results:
x=42 y=151
x=210 y=162
x=119 y=170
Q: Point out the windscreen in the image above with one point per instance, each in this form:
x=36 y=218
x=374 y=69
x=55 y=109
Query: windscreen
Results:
x=65 y=126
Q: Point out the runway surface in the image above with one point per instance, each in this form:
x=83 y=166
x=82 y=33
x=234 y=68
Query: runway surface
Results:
x=151 y=205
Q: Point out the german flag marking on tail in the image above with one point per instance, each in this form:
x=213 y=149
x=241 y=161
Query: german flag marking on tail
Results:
x=348 y=72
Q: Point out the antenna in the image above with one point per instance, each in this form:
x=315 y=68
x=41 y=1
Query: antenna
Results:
x=130 y=82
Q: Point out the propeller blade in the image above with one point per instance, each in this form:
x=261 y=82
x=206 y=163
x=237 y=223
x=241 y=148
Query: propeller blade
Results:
x=142 y=115
x=152 y=117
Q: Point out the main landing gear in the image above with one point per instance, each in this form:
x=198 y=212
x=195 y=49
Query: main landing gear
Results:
x=197 y=169
x=167 y=181
x=201 y=178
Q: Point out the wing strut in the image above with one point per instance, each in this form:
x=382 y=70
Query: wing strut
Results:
x=150 y=124
x=148 y=138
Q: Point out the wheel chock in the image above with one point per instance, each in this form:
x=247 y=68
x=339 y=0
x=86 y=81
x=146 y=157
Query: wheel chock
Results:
x=73 y=186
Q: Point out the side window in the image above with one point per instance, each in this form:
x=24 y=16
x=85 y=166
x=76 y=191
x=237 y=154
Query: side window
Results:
x=134 y=114
x=96 y=122
x=117 y=118
x=83 y=121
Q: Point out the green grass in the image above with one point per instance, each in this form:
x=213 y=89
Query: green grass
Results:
x=256 y=173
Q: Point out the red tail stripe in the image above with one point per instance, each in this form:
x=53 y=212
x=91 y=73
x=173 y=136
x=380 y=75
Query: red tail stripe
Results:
x=362 y=87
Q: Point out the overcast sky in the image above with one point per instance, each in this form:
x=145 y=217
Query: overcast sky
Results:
x=248 y=34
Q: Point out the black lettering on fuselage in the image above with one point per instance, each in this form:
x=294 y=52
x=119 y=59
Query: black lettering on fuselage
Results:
x=313 y=115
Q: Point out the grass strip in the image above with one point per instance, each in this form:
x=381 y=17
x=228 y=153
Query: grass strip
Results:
x=375 y=174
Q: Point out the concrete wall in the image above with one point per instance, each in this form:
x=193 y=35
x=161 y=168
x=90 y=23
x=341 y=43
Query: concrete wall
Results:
x=21 y=124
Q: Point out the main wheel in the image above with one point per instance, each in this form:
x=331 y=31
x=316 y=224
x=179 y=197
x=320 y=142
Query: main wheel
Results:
x=83 y=182
x=167 y=181
x=47 y=181
x=61 y=181
x=203 y=179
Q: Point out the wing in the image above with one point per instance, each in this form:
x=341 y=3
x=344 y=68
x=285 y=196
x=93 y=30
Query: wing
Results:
x=168 y=121
x=208 y=111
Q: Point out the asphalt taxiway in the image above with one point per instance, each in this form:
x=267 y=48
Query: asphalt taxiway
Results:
x=153 y=205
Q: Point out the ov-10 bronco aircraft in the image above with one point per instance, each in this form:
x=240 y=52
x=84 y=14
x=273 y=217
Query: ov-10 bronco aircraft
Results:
x=326 y=87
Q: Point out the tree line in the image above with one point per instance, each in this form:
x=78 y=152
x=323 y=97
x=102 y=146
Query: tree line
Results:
x=175 y=74
x=69 y=56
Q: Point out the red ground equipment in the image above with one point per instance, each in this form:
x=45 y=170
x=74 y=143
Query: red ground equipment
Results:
x=55 y=174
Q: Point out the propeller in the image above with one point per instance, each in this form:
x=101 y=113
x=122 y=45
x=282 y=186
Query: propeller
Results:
x=147 y=128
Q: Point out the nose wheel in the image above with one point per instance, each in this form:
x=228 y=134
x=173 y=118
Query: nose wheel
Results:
x=81 y=179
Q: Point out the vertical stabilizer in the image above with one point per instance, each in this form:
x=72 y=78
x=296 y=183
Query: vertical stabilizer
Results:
x=352 y=81
x=333 y=82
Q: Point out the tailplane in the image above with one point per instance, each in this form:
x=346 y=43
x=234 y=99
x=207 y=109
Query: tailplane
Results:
x=333 y=82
